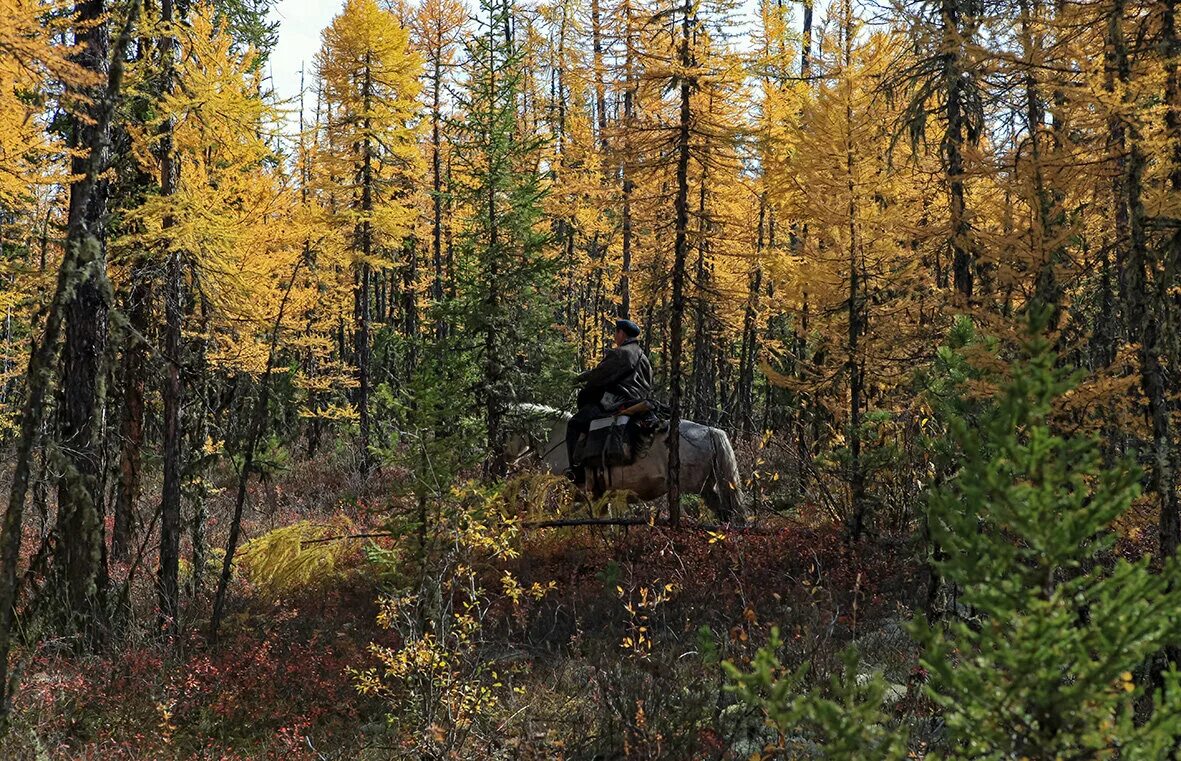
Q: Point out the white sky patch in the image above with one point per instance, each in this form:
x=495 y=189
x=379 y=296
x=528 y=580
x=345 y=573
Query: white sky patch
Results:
x=300 y=23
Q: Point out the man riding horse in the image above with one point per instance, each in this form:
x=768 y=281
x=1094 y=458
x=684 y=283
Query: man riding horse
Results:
x=622 y=378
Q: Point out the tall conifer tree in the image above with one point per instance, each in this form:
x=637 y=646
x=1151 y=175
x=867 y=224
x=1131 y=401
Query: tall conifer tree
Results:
x=371 y=160
x=505 y=295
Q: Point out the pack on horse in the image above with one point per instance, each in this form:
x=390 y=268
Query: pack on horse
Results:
x=616 y=440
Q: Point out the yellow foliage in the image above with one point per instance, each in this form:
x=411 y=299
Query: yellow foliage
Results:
x=370 y=74
x=438 y=677
x=30 y=65
x=297 y=556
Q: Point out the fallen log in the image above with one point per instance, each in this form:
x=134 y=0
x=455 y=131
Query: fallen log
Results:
x=562 y=523
x=570 y=522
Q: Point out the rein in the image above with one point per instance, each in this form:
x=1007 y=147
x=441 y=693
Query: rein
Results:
x=561 y=442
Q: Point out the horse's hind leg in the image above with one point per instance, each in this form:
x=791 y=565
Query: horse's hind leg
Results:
x=714 y=501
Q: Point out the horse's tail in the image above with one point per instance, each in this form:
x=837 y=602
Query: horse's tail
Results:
x=728 y=482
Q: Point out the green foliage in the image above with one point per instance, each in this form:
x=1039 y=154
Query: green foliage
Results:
x=272 y=457
x=943 y=383
x=944 y=389
x=1046 y=670
x=846 y=715
x=507 y=300
x=249 y=22
x=439 y=431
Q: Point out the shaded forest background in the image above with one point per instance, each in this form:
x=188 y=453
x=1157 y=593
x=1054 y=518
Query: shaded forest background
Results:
x=250 y=346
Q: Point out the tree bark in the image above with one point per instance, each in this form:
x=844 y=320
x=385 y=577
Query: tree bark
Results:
x=495 y=465
x=600 y=86
x=750 y=338
x=410 y=306
x=132 y=424
x=170 y=520
x=1170 y=519
x=78 y=554
x=806 y=42
x=680 y=254
x=198 y=434
x=39 y=377
x=702 y=403
x=437 y=188
x=855 y=365
x=953 y=143
x=1045 y=256
x=625 y=164
x=364 y=242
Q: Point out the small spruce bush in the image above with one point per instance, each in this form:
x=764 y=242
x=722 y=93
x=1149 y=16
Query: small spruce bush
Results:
x=1045 y=665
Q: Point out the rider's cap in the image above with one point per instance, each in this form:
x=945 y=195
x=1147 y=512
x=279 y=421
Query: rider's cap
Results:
x=629 y=328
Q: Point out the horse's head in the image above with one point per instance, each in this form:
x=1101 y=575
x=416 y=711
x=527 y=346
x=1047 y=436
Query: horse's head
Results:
x=517 y=445
x=531 y=429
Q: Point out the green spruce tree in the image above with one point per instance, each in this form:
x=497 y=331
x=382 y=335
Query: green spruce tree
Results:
x=1051 y=663
x=1045 y=668
x=506 y=280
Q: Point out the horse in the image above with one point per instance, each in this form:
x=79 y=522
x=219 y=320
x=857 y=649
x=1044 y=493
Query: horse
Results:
x=708 y=464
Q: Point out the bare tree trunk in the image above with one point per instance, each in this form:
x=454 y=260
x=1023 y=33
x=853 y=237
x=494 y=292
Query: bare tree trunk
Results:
x=806 y=405
x=410 y=306
x=1170 y=519
x=79 y=247
x=681 y=250
x=600 y=87
x=364 y=234
x=198 y=434
x=495 y=465
x=437 y=190
x=1111 y=322
x=1046 y=257
x=132 y=425
x=953 y=142
x=699 y=380
x=170 y=520
x=1117 y=70
x=625 y=164
x=856 y=287
x=378 y=284
x=78 y=554
x=450 y=238
x=806 y=42
x=750 y=345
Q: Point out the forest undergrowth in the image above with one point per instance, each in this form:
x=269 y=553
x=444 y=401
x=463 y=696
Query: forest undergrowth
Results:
x=275 y=358
x=620 y=655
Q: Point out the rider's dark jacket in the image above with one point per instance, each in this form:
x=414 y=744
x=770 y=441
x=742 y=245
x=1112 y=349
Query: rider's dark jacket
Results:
x=625 y=372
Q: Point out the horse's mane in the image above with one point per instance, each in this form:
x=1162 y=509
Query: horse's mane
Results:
x=540 y=410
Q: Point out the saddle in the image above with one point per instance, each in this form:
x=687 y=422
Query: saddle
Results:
x=622 y=438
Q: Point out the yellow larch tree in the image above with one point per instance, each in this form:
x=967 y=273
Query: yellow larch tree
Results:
x=34 y=72
x=228 y=197
x=858 y=270
x=369 y=163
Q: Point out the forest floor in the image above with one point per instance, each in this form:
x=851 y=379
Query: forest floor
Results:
x=620 y=659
